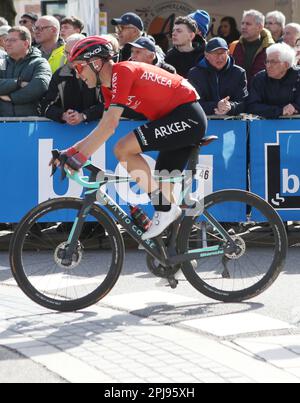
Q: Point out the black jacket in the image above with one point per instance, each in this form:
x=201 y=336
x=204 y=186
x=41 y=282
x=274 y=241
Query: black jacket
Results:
x=67 y=92
x=213 y=86
x=268 y=96
x=184 y=61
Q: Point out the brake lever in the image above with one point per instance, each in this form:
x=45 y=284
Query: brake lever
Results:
x=62 y=158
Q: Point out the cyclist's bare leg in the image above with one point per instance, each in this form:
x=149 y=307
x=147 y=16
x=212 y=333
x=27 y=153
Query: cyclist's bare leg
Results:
x=128 y=152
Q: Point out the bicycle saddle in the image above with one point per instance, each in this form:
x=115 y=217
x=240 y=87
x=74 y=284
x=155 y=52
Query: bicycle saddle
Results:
x=207 y=140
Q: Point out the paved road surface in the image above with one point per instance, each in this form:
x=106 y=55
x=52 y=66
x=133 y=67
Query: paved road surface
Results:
x=141 y=333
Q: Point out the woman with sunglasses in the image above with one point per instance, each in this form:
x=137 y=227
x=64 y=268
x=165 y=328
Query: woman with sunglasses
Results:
x=176 y=121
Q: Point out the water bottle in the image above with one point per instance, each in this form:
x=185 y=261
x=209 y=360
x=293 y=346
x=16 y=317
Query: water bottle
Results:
x=140 y=218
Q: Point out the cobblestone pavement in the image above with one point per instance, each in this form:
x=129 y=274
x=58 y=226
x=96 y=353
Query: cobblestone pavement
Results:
x=107 y=344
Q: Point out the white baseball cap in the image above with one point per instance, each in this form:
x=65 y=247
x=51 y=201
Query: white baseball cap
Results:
x=4 y=30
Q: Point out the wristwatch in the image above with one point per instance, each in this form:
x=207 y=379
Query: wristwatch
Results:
x=84 y=117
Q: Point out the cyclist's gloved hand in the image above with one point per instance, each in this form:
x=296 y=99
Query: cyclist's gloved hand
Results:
x=71 y=157
x=76 y=161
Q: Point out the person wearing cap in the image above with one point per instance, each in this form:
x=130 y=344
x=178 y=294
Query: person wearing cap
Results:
x=144 y=50
x=129 y=27
x=28 y=20
x=183 y=56
x=221 y=84
x=3 y=35
x=202 y=19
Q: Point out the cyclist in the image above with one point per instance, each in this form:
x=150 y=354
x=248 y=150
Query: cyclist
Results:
x=176 y=121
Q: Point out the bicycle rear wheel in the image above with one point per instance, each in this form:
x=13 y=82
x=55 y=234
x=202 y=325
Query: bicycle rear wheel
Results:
x=261 y=239
x=35 y=256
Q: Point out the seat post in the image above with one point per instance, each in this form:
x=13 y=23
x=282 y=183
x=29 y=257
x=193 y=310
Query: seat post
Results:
x=193 y=160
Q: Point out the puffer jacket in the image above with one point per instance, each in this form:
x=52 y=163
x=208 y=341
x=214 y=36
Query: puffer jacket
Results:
x=268 y=96
x=34 y=70
x=213 y=86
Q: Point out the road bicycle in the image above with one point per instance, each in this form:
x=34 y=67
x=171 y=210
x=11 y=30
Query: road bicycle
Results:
x=72 y=264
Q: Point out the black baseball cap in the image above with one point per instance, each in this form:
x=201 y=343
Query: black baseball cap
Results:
x=129 y=19
x=144 y=43
x=216 y=43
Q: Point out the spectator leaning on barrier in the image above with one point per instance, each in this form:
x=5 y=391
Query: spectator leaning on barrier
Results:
x=3 y=35
x=276 y=90
x=183 y=56
x=129 y=28
x=70 y=26
x=275 y=23
x=250 y=51
x=24 y=75
x=46 y=32
x=221 y=84
x=144 y=50
x=68 y=99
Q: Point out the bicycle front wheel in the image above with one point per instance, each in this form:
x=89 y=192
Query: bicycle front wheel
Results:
x=35 y=256
x=259 y=235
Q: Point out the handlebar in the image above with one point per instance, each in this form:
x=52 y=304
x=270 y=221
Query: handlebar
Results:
x=88 y=182
x=85 y=181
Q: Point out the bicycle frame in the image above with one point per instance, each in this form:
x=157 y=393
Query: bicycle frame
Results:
x=165 y=255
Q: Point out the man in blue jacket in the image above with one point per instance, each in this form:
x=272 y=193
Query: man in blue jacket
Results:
x=221 y=84
x=276 y=91
x=24 y=76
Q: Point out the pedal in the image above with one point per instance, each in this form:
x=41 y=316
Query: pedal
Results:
x=173 y=282
x=167 y=282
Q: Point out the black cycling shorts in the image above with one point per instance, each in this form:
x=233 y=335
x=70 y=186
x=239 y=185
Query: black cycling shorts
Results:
x=174 y=136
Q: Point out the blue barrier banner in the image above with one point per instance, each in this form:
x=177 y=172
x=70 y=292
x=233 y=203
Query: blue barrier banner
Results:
x=275 y=168
x=26 y=151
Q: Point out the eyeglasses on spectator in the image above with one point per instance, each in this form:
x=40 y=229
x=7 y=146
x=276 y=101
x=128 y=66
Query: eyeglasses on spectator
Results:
x=272 y=62
x=41 y=29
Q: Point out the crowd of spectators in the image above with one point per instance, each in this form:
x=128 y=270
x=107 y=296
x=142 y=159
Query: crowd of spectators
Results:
x=253 y=70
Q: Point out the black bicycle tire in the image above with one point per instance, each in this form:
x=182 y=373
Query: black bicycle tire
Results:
x=15 y=252
x=275 y=268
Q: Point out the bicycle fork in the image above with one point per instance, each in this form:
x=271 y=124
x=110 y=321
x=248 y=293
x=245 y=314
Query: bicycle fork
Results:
x=67 y=255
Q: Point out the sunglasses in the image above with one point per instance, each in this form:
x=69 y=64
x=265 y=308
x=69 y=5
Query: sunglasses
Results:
x=80 y=66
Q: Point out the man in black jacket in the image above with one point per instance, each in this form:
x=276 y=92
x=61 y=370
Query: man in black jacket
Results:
x=276 y=91
x=221 y=84
x=183 y=56
x=68 y=99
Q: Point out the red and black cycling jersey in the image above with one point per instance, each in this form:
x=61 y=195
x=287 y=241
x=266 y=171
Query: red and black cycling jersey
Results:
x=147 y=89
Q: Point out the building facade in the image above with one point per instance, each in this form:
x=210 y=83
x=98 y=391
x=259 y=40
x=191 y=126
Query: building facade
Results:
x=158 y=13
